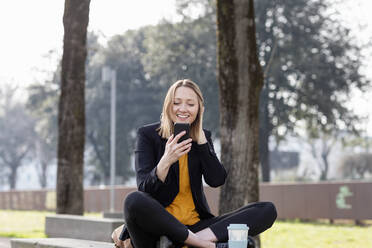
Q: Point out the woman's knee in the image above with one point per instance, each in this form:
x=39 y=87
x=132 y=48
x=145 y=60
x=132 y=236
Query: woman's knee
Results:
x=270 y=212
x=134 y=200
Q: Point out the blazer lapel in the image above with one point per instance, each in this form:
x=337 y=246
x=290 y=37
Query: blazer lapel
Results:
x=191 y=160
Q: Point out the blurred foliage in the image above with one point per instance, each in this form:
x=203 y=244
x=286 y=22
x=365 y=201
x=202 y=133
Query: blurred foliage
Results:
x=311 y=64
x=137 y=104
x=185 y=50
x=284 y=160
x=356 y=166
x=16 y=136
x=363 y=142
x=310 y=61
x=320 y=149
x=43 y=105
x=147 y=61
x=314 y=64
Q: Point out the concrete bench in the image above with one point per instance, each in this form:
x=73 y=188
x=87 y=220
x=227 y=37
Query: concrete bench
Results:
x=80 y=227
x=58 y=243
x=76 y=231
x=113 y=215
x=71 y=243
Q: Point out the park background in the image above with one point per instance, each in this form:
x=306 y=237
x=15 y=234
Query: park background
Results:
x=152 y=47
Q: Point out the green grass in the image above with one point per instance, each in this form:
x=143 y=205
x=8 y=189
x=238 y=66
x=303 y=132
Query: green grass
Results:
x=293 y=234
x=24 y=224
x=283 y=234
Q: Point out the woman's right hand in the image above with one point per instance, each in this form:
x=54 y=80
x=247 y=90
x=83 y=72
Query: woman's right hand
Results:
x=173 y=151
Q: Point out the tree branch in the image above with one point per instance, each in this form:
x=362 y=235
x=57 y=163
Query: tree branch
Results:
x=270 y=59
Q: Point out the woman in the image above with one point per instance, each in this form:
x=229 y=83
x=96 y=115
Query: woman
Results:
x=170 y=200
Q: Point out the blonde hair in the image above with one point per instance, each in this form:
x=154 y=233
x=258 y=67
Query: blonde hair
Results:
x=166 y=124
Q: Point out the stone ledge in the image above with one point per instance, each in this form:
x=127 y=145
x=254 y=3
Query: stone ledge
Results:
x=72 y=243
x=58 y=243
x=113 y=215
x=80 y=227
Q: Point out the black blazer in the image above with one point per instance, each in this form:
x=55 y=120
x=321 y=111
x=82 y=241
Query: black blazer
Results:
x=202 y=161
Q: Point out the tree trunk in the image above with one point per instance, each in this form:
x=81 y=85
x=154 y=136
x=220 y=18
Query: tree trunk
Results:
x=71 y=115
x=43 y=174
x=264 y=136
x=240 y=81
x=326 y=149
x=13 y=176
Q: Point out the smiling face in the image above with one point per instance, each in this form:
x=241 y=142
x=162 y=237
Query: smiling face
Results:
x=185 y=106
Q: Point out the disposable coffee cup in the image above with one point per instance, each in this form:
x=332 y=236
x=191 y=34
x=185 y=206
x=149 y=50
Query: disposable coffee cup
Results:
x=238 y=235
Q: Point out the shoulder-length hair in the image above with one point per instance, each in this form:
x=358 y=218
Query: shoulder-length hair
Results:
x=166 y=124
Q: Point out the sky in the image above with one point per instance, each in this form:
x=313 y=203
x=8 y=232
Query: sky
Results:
x=30 y=29
x=356 y=14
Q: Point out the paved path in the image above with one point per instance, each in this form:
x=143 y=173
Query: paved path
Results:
x=4 y=242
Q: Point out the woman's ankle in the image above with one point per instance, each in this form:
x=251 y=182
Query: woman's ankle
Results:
x=195 y=241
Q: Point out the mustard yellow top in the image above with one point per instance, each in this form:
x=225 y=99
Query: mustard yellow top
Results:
x=183 y=207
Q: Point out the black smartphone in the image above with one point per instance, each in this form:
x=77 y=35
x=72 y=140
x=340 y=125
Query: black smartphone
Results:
x=179 y=127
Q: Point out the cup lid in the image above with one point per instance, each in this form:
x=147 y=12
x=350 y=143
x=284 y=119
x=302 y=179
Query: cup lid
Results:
x=238 y=227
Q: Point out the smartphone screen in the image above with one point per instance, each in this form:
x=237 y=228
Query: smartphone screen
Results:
x=179 y=127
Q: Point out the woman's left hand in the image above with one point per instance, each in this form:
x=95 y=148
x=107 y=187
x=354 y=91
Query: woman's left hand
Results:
x=202 y=139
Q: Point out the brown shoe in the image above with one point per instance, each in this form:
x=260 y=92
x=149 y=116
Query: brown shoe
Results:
x=120 y=243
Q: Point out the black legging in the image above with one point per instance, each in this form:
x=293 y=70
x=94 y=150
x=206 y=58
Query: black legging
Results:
x=147 y=220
